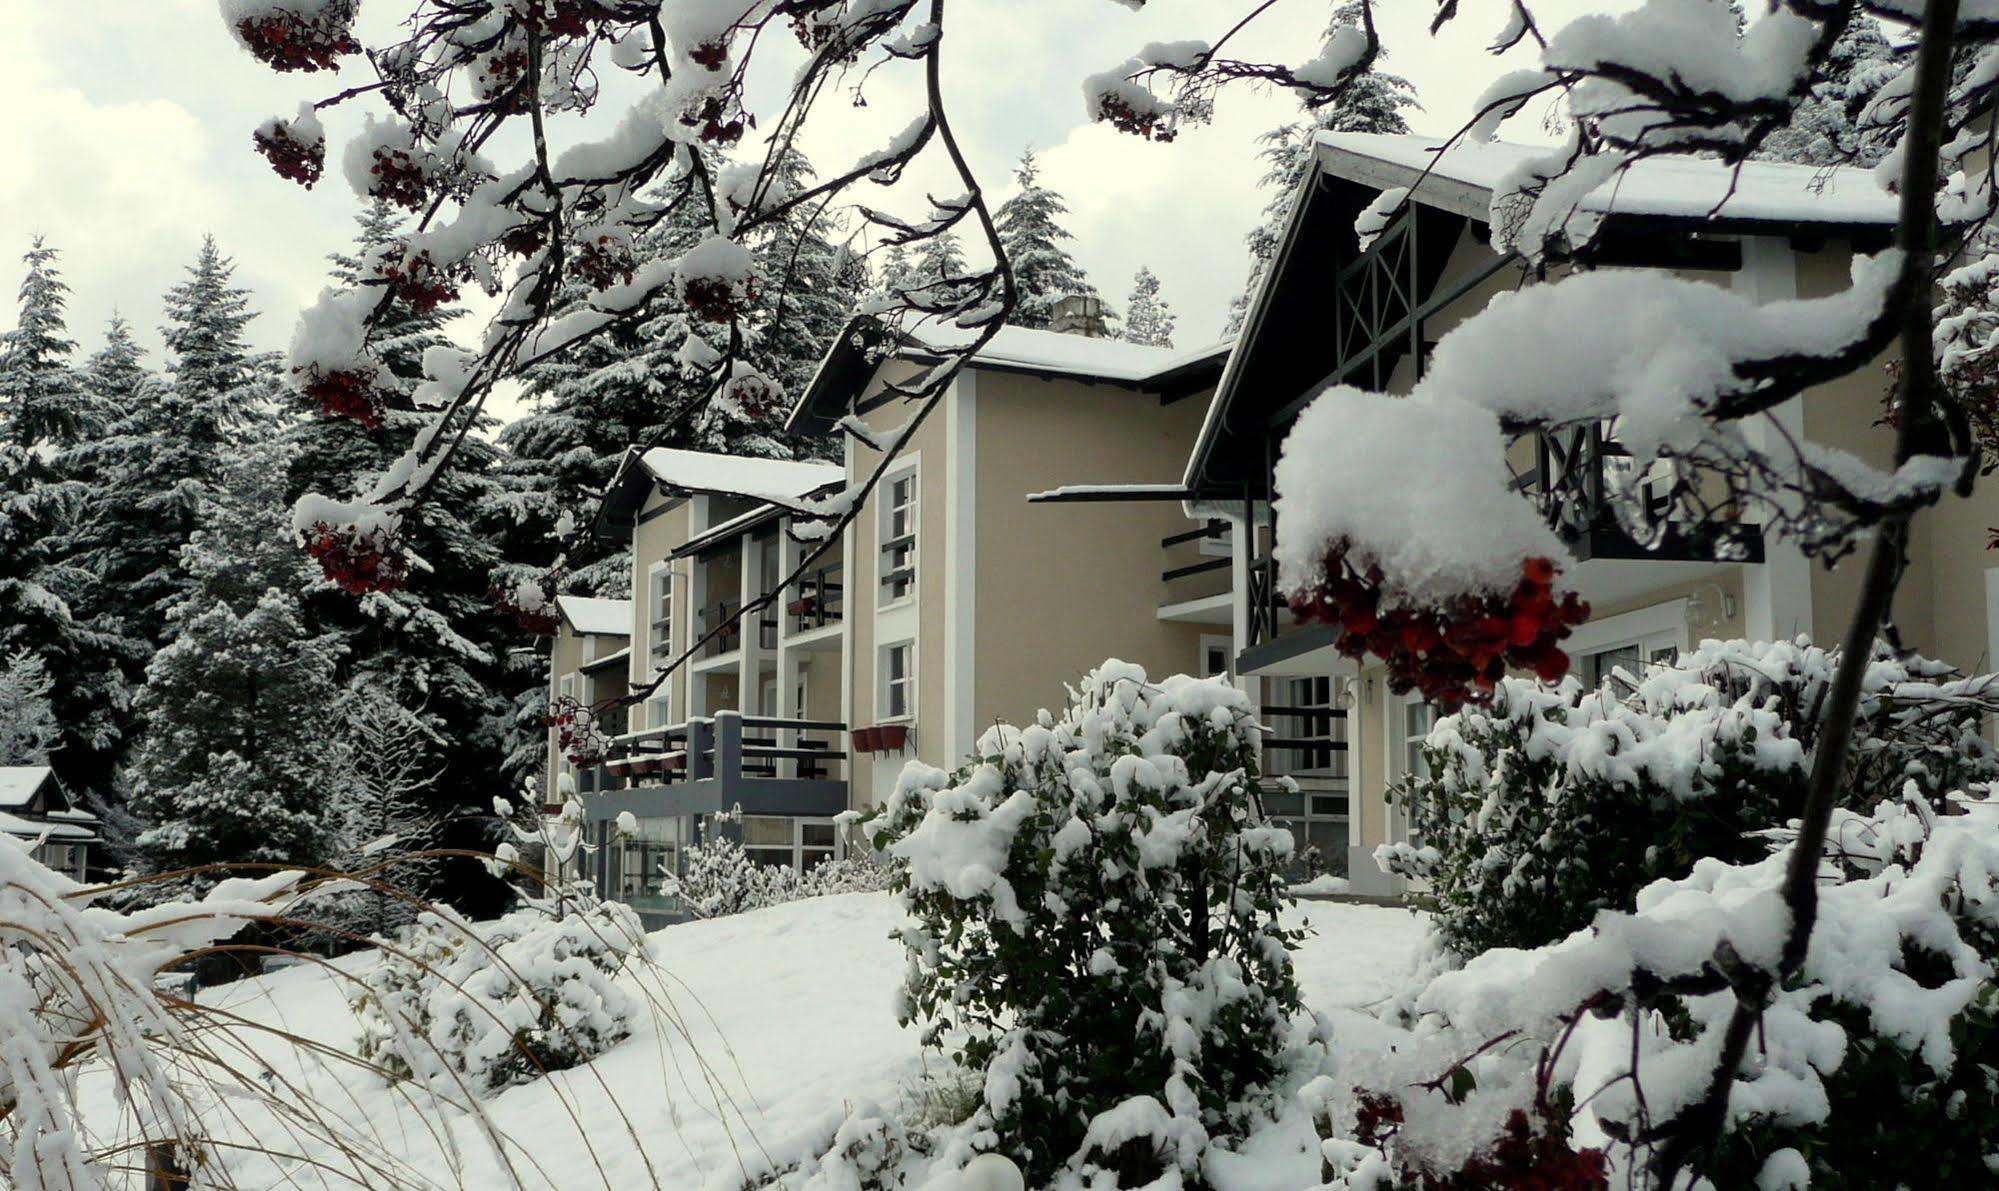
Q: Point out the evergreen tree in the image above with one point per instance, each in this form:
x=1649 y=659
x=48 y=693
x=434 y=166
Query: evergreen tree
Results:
x=243 y=758
x=1147 y=317
x=40 y=397
x=153 y=469
x=44 y=596
x=813 y=290
x=440 y=636
x=896 y=270
x=1822 y=130
x=29 y=731
x=1030 y=231
x=1373 y=102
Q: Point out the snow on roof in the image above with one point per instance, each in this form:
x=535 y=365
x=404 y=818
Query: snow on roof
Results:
x=18 y=783
x=20 y=828
x=779 y=481
x=1053 y=351
x=1670 y=186
x=612 y=618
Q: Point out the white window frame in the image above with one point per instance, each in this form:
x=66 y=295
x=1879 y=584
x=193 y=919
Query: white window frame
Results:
x=1658 y=627
x=1217 y=641
x=884 y=532
x=886 y=683
x=659 y=630
x=566 y=688
x=797 y=846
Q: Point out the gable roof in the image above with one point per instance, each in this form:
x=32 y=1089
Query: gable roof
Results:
x=20 y=783
x=684 y=473
x=851 y=359
x=1461 y=177
x=778 y=481
x=1287 y=347
x=602 y=618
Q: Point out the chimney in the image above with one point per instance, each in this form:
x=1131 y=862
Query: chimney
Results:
x=1079 y=314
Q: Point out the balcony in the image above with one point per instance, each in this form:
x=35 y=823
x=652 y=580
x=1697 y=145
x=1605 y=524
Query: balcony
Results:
x=725 y=621
x=1197 y=579
x=1582 y=474
x=818 y=601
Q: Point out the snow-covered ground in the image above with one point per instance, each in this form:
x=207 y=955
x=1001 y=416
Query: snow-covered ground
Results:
x=771 y=1026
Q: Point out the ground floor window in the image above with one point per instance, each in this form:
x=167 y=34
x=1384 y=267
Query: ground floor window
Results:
x=788 y=842
x=1317 y=820
x=63 y=858
x=1632 y=657
x=647 y=856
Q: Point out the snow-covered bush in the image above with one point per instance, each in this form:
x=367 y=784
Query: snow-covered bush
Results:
x=480 y=1007
x=718 y=877
x=1544 y=807
x=1094 y=901
x=1874 y=1068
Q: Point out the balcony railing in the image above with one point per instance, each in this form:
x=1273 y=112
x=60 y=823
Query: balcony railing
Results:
x=1305 y=740
x=1202 y=550
x=1581 y=474
x=818 y=600
x=725 y=616
x=728 y=748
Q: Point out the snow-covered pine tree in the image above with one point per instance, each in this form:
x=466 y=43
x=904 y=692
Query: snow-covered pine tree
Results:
x=159 y=459
x=44 y=598
x=438 y=636
x=244 y=757
x=29 y=731
x=1823 y=130
x=388 y=816
x=1147 y=317
x=1030 y=229
x=815 y=290
x=1373 y=102
x=40 y=396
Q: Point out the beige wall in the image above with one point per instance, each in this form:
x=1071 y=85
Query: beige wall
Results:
x=652 y=542
x=1063 y=587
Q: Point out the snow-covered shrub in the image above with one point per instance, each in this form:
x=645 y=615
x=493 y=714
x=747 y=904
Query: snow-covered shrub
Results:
x=484 y=1006
x=1874 y=1068
x=1547 y=806
x=718 y=877
x=1094 y=901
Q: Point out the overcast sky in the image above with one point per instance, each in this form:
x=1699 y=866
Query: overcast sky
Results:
x=130 y=140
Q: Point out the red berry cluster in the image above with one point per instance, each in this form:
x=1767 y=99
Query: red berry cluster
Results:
x=397 y=177
x=540 y=620
x=605 y=260
x=301 y=161
x=817 y=31
x=1123 y=117
x=559 y=18
x=759 y=397
x=498 y=78
x=718 y=300
x=358 y=562
x=713 y=117
x=1456 y=653
x=576 y=733
x=284 y=40
x=419 y=282
x=524 y=240
x=1529 y=1159
x=712 y=55
x=347 y=393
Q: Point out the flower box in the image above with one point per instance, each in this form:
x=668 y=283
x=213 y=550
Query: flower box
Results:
x=892 y=738
x=865 y=740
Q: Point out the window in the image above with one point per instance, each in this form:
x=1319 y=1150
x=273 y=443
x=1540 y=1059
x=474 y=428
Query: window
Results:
x=898 y=538
x=784 y=842
x=1631 y=656
x=1302 y=715
x=1215 y=660
x=646 y=857
x=659 y=612
x=1418 y=718
x=898 y=681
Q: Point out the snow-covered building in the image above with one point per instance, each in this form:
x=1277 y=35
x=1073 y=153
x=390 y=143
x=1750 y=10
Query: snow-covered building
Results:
x=1333 y=310
x=588 y=667
x=33 y=808
x=1072 y=499
x=950 y=604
